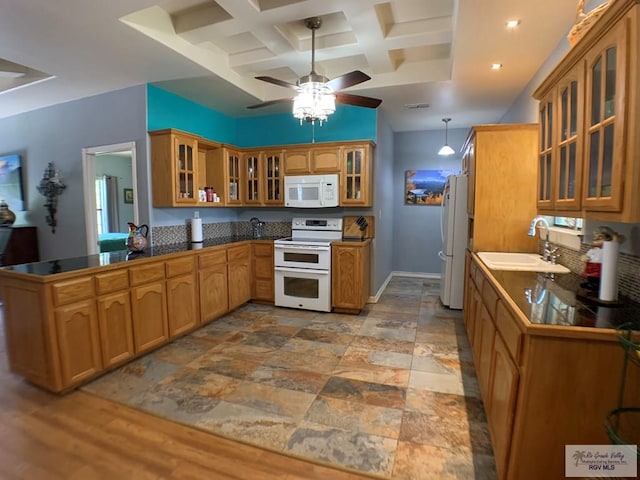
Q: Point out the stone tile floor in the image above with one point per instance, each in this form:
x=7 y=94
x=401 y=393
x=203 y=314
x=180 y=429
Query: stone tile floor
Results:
x=390 y=392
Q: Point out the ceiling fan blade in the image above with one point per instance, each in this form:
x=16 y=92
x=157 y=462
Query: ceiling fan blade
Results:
x=348 y=80
x=270 y=102
x=278 y=82
x=357 y=100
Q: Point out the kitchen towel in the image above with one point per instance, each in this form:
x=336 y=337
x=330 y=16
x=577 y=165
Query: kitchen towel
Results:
x=609 y=271
x=196 y=230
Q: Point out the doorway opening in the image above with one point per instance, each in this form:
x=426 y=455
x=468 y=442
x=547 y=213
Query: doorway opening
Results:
x=110 y=193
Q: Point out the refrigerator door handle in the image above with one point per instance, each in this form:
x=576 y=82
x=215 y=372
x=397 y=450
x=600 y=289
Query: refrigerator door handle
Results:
x=443 y=209
x=442 y=255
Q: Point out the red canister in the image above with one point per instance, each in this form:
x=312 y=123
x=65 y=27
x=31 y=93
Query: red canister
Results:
x=209 y=192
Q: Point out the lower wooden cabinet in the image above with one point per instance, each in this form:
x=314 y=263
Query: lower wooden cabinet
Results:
x=116 y=328
x=149 y=309
x=63 y=330
x=239 y=271
x=182 y=304
x=213 y=288
x=262 y=287
x=78 y=341
x=502 y=396
x=543 y=386
x=350 y=275
x=484 y=346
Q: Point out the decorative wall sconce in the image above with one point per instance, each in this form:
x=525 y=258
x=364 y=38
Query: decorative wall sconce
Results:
x=51 y=187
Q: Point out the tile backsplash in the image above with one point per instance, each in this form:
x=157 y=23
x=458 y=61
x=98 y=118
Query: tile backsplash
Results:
x=182 y=233
x=628 y=269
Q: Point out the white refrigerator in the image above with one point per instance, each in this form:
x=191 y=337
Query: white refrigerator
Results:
x=453 y=228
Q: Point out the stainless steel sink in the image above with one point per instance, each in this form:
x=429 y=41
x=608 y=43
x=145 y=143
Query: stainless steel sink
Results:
x=528 y=262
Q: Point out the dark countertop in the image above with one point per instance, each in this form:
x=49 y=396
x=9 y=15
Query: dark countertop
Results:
x=561 y=300
x=67 y=265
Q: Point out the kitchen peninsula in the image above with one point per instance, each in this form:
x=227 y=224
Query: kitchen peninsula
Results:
x=70 y=320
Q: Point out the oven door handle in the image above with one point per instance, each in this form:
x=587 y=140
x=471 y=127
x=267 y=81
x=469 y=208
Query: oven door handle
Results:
x=302 y=270
x=302 y=247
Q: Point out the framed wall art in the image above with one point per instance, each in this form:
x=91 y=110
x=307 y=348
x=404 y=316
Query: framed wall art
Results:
x=11 y=181
x=128 y=195
x=425 y=187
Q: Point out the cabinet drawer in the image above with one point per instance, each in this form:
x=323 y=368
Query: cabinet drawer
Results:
x=179 y=266
x=490 y=298
x=507 y=326
x=72 y=290
x=112 y=281
x=263 y=250
x=239 y=254
x=146 y=273
x=210 y=259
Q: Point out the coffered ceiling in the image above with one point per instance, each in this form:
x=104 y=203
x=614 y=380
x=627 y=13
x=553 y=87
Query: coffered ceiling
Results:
x=417 y=52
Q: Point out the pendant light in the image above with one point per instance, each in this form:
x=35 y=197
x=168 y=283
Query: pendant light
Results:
x=446 y=149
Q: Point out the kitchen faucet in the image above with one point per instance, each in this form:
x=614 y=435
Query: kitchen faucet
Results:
x=549 y=253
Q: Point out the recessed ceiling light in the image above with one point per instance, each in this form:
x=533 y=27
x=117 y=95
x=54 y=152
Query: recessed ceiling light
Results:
x=496 y=66
x=511 y=24
x=417 y=105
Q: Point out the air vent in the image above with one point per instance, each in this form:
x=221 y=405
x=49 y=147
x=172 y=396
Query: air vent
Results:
x=417 y=105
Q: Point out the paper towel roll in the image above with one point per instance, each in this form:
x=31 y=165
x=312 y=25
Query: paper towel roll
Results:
x=196 y=230
x=609 y=271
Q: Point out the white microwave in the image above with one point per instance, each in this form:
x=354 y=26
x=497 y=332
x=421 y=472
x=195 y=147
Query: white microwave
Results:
x=311 y=191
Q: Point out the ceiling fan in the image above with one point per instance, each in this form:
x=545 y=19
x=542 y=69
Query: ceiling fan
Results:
x=316 y=94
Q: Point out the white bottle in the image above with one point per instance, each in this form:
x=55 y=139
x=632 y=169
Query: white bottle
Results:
x=196 y=228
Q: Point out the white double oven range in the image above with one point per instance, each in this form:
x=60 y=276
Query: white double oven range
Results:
x=303 y=264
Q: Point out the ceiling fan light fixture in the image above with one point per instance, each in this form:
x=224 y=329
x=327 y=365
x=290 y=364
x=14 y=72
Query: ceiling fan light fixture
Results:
x=446 y=150
x=315 y=101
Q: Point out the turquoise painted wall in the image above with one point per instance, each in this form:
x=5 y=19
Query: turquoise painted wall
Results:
x=167 y=110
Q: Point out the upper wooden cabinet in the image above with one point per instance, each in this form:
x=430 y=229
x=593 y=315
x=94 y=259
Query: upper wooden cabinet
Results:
x=501 y=166
x=560 y=146
x=263 y=177
x=588 y=161
x=326 y=159
x=604 y=123
x=184 y=164
x=313 y=160
x=273 y=177
x=297 y=161
x=356 y=176
x=174 y=168
x=252 y=170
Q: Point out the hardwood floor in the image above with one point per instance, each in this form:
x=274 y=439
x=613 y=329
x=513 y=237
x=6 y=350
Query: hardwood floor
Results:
x=80 y=436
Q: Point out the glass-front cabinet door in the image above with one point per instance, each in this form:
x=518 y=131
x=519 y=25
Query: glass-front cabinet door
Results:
x=355 y=181
x=545 y=153
x=252 y=178
x=273 y=186
x=568 y=176
x=185 y=151
x=604 y=126
x=233 y=176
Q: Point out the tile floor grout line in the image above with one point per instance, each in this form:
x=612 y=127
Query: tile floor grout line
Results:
x=362 y=398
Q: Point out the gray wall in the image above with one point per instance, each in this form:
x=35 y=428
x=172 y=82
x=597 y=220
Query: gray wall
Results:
x=525 y=108
x=416 y=228
x=58 y=134
x=383 y=205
